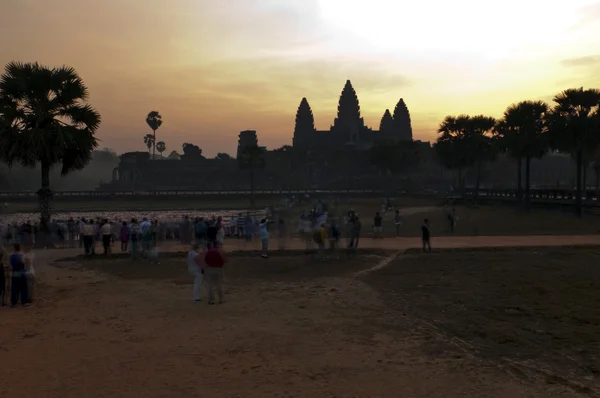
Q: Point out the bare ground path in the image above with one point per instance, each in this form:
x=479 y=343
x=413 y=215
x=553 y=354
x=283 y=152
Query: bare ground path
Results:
x=312 y=334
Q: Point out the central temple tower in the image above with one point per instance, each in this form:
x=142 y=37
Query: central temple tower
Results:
x=348 y=122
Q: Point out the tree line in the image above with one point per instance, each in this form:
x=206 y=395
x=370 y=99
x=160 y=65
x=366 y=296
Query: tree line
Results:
x=527 y=130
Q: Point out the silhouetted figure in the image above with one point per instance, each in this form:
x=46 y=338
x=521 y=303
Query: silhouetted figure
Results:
x=426 y=236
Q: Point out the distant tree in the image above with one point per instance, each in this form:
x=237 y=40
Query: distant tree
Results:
x=223 y=156
x=191 y=150
x=464 y=142
x=174 y=155
x=252 y=158
x=394 y=156
x=154 y=120
x=522 y=134
x=149 y=141
x=44 y=118
x=574 y=127
x=161 y=147
x=105 y=155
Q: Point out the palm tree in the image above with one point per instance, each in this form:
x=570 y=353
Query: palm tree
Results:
x=154 y=120
x=574 y=127
x=522 y=133
x=44 y=119
x=466 y=142
x=161 y=147
x=252 y=158
x=149 y=141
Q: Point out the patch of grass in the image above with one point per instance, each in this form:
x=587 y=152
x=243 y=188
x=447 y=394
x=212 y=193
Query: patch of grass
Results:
x=535 y=308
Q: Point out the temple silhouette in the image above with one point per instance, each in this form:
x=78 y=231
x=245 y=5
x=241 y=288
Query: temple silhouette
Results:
x=349 y=127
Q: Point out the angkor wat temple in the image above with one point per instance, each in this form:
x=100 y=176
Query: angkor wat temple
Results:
x=348 y=127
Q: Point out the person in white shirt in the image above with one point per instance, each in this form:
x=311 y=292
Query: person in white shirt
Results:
x=194 y=261
x=106 y=232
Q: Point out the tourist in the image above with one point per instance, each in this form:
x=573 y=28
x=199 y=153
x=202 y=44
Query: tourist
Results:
x=426 y=236
x=239 y=226
x=88 y=238
x=397 y=222
x=18 y=278
x=80 y=228
x=220 y=238
x=377 y=226
x=200 y=232
x=124 y=236
x=106 y=232
x=211 y=235
x=214 y=261
x=134 y=238
x=146 y=235
x=334 y=235
x=3 y=278
x=321 y=238
x=28 y=258
x=248 y=227
x=264 y=237
x=281 y=233
x=355 y=227
x=452 y=218
x=194 y=260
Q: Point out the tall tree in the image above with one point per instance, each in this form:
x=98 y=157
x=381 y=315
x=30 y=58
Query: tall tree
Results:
x=45 y=119
x=191 y=150
x=522 y=134
x=252 y=158
x=154 y=120
x=223 y=156
x=149 y=141
x=161 y=147
x=574 y=127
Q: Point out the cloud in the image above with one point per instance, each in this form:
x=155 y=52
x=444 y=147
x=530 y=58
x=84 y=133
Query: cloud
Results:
x=586 y=61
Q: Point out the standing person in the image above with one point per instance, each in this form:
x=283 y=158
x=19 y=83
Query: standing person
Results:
x=398 y=222
x=106 y=232
x=211 y=235
x=214 y=261
x=334 y=235
x=239 y=226
x=18 y=279
x=452 y=219
x=355 y=227
x=124 y=236
x=134 y=237
x=322 y=239
x=220 y=232
x=377 y=226
x=195 y=268
x=200 y=232
x=88 y=238
x=3 y=271
x=248 y=227
x=281 y=233
x=28 y=258
x=426 y=236
x=264 y=237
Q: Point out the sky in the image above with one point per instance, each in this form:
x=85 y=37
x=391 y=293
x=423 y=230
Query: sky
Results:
x=213 y=68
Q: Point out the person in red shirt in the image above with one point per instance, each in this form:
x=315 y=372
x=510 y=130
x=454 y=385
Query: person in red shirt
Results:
x=214 y=261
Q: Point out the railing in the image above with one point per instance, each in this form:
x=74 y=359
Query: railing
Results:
x=108 y=194
x=539 y=195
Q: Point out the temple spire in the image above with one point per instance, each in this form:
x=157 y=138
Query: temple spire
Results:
x=305 y=123
x=348 y=117
x=387 y=122
x=402 y=123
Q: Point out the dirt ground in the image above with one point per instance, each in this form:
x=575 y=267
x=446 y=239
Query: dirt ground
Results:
x=369 y=325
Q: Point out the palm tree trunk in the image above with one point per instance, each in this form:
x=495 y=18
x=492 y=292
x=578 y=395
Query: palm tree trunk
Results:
x=153 y=144
x=527 y=181
x=578 y=201
x=519 y=179
x=45 y=195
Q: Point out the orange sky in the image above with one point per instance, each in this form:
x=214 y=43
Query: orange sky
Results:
x=213 y=68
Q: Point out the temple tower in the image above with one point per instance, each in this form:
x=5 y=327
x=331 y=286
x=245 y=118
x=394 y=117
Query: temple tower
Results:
x=246 y=139
x=348 y=121
x=387 y=123
x=402 y=125
x=304 y=128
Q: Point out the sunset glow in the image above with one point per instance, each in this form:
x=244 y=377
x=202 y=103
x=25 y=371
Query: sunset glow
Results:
x=215 y=68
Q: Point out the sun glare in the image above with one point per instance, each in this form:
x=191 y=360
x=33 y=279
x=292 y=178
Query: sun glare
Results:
x=489 y=29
